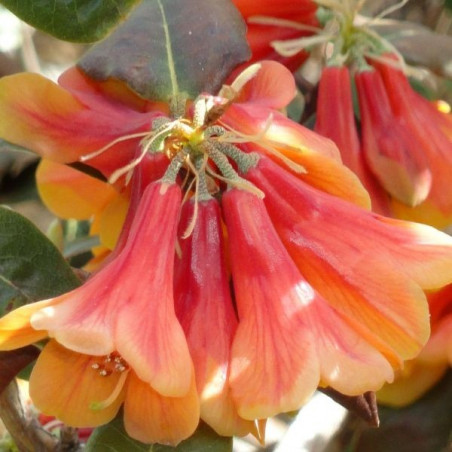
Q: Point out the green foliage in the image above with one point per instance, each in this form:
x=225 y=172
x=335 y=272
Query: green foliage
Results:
x=113 y=438
x=72 y=20
x=448 y=4
x=171 y=47
x=31 y=268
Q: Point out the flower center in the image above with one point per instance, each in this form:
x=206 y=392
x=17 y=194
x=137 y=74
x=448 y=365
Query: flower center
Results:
x=112 y=363
x=108 y=365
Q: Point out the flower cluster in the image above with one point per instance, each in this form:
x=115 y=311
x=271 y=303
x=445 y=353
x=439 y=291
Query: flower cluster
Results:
x=398 y=143
x=403 y=153
x=247 y=272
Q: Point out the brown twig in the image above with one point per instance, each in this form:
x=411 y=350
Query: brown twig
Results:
x=25 y=431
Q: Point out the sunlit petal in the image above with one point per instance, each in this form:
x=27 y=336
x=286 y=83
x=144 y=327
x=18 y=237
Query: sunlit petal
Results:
x=153 y=418
x=64 y=384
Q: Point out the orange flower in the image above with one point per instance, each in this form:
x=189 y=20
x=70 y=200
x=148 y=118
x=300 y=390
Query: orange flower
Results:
x=320 y=290
x=430 y=139
x=127 y=316
x=327 y=293
x=422 y=373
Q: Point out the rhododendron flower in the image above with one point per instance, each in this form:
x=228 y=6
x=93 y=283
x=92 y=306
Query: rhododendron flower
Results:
x=326 y=292
x=430 y=139
x=205 y=310
x=389 y=146
x=435 y=359
x=335 y=119
x=128 y=316
x=323 y=266
x=270 y=22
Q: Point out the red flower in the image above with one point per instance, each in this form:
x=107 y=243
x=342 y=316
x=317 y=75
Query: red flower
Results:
x=125 y=313
x=327 y=293
x=391 y=150
x=335 y=119
x=205 y=310
x=284 y=20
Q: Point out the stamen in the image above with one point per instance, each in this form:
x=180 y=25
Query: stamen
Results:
x=166 y=130
x=277 y=22
x=390 y=10
x=230 y=175
x=291 y=47
x=100 y=151
x=237 y=137
x=201 y=191
x=234 y=136
x=113 y=396
x=244 y=77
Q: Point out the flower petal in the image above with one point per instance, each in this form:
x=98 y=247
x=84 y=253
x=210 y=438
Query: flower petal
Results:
x=204 y=304
x=44 y=117
x=16 y=330
x=69 y=193
x=412 y=383
x=273 y=86
x=152 y=418
x=331 y=240
x=147 y=333
x=288 y=336
x=335 y=119
x=317 y=155
x=129 y=310
x=425 y=126
x=274 y=365
x=392 y=152
x=64 y=384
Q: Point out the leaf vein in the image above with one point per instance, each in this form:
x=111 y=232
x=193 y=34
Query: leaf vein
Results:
x=169 y=51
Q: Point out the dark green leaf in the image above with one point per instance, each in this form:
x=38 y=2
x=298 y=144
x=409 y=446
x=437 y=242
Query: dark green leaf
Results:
x=170 y=47
x=448 y=4
x=31 y=268
x=72 y=20
x=12 y=362
x=113 y=438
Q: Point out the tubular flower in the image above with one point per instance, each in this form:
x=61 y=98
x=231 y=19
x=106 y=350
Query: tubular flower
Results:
x=335 y=119
x=273 y=224
x=126 y=316
x=203 y=306
x=422 y=373
x=69 y=193
x=388 y=145
x=430 y=140
x=271 y=22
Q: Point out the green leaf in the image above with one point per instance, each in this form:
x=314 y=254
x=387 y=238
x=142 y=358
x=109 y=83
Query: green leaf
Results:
x=72 y=20
x=113 y=438
x=448 y=4
x=171 y=47
x=31 y=267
